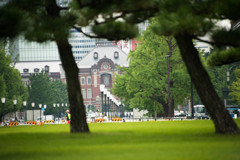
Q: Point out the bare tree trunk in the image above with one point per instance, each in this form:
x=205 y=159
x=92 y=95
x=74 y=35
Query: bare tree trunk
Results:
x=77 y=109
x=165 y=107
x=171 y=108
x=171 y=47
x=220 y=116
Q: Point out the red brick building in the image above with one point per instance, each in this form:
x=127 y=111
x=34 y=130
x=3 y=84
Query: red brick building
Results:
x=99 y=67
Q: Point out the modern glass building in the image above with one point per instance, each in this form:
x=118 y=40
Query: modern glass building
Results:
x=47 y=51
x=32 y=51
x=81 y=45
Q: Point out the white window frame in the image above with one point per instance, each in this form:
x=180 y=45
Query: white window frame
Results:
x=88 y=80
x=89 y=93
x=83 y=80
x=83 y=93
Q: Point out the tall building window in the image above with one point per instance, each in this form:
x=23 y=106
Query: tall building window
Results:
x=82 y=80
x=89 y=80
x=89 y=93
x=83 y=93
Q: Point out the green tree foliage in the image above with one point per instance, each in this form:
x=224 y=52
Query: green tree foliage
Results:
x=235 y=87
x=144 y=84
x=185 y=20
x=219 y=75
x=11 y=86
x=45 y=20
x=39 y=89
x=60 y=95
x=42 y=90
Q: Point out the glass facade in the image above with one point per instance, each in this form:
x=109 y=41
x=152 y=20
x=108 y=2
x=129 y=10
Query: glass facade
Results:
x=32 y=51
x=81 y=44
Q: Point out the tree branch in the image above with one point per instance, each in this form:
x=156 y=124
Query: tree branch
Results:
x=64 y=8
x=205 y=41
x=88 y=35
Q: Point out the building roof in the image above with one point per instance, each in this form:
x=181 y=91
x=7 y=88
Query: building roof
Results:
x=104 y=52
x=54 y=66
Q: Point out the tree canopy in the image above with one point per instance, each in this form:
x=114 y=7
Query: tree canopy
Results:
x=42 y=90
x=235 y=87
x=11 y=86
x=185 y=20
x=144 y=84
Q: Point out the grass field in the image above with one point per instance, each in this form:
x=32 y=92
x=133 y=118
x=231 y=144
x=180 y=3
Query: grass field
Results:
x=166 y=140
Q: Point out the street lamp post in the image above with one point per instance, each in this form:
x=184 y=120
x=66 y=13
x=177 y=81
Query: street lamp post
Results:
x=108 y=97
x=102 y=103
x=61 y=110
x=3 y=102
x=45 y=107
x=58 y=111
x=33 y=105
x=25 y=114
x=110 y=106
x=54 y=106
x=105 y=98
x=40 y=106
x=114 y=105
x=15 y=110
x=192 y=109
x=101 y=90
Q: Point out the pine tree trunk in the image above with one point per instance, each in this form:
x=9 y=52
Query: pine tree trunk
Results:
x=215 y=107
x=77 y=109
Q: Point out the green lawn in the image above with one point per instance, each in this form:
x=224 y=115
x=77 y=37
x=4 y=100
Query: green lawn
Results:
x=166 y=140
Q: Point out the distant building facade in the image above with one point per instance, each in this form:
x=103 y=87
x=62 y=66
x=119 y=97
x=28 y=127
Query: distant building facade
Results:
x=26 y=69
x=97 y=67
